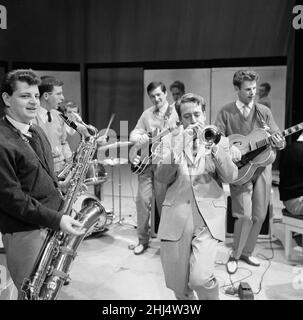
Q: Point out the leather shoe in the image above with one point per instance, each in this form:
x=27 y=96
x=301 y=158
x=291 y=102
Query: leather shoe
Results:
x=232 y=265
x=2 y=250
x=140 y=248
x=253 y=261
x=66 y=282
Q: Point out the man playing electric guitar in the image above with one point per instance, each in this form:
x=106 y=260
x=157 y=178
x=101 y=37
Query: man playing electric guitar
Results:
x=160 y=116
x=251 y=199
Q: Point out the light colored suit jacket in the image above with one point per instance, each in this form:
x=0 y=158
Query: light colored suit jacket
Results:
x=190 y=180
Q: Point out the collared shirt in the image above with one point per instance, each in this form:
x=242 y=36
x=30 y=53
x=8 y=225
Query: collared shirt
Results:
x=161 y=111
x=43 y=114
x=23 y=127
x=240 y=105
x=151 y=120
x=56 y=134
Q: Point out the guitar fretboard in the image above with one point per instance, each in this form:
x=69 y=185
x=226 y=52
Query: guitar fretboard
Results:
x=163 y=133
x=284 y=133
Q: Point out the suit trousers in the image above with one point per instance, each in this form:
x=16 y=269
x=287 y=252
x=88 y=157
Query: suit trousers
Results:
x=188 y=264
x=147 y=185
x=249 y=205
x=22 y=249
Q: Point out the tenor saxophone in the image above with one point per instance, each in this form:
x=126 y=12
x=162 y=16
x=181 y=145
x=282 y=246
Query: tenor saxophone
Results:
x=59 y=250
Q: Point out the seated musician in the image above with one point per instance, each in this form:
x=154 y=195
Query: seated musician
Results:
x=291 y=180
x=193 y=213
x=291 y=177
x=29 y=195
x=160 y=116
x=251 y=199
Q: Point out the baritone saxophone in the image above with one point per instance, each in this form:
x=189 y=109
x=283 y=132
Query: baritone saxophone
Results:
x=52 y=266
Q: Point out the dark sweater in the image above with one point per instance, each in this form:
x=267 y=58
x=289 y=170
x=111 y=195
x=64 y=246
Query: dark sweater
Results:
x=291 y=171
x=29 y=198
x=231 y=121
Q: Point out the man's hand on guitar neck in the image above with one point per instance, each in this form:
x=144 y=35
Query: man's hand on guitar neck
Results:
x=277 y=141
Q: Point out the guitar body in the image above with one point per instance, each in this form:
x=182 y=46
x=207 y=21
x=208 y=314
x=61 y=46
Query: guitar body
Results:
x=148 y=152
x=148 y=157
x=253 y=157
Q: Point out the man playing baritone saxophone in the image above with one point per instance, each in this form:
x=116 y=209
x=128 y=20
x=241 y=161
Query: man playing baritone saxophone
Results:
x=29 y=195
x=193 y=212
x=160 y=116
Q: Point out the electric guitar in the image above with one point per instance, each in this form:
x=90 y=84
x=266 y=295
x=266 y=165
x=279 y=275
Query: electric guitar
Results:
x=256 y=151
x=147 y=151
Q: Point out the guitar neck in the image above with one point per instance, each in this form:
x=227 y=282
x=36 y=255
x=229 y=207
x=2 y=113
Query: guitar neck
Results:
x=292 y=130
x=162 y=134
x=284 y=133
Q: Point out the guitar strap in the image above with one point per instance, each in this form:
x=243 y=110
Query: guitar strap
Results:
x=261 y=119
x=166 y=117
x=168 y=112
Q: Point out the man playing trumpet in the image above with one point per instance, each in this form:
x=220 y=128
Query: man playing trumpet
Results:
x=193 y=212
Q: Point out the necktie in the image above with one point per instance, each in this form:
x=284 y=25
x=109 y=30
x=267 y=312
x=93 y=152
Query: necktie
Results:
x=35 y=143
x=245 y=111
x=49 y=117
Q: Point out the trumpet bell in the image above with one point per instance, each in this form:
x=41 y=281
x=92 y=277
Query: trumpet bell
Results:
x=211 y=135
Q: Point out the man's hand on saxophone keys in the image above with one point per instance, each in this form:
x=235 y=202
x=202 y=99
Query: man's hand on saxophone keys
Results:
x=64 y=184
x=82 y=129
x=71 y=226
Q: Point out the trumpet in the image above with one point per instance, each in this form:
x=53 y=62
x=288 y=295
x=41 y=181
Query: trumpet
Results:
x=209 y=135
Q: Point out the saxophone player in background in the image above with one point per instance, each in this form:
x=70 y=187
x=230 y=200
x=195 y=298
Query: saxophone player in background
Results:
x=194 y=164
x=71 y=110
x=29 y=194
x=48 y=118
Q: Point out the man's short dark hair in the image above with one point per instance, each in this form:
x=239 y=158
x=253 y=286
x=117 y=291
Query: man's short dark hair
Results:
x=179 y=85
x=155 y=84
x=267 y=86
x=8 y=84
x=244 y=75
x=67 y=104
x=48 y=83
x=190 y=97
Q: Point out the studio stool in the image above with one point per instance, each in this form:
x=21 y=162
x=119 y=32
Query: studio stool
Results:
x=293 y=223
